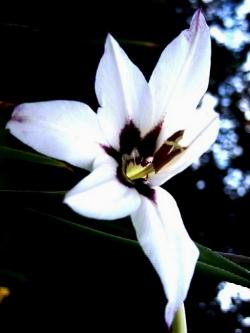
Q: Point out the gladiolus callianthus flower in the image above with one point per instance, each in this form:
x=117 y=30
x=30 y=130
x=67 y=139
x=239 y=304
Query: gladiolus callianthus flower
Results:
x=143 y=134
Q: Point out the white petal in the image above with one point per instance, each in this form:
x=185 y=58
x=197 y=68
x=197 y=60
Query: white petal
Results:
x=122 y=92
x=180 y=78
x=199 y=136
x=101 y=196
x=164 y=239
x=65 y=130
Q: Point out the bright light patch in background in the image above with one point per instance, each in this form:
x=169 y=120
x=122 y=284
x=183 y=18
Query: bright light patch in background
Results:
x=245 y=322
x=201 y=184
x=233 y=104
x=230 y=296
x=243 y=9
x=235 y=31
x=230 y=291
x=233 y=39
x=233 y=97
x=237 y=183
x=207 y=1
x=226 y=147
x=246 y=65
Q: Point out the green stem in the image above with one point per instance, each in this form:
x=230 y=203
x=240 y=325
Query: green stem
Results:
x=180 y=324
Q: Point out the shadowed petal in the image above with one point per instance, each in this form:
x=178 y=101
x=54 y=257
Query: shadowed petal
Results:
x=122 y=92
x=163 y=237
x=65 y=130
x=181 y=75
x=101 y=196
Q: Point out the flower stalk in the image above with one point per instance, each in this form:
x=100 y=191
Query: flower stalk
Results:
x=179 y=323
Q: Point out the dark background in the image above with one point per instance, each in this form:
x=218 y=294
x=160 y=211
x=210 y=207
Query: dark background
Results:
x=61 y=277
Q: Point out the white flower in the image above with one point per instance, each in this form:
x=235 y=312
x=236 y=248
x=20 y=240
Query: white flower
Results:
x=143 y=134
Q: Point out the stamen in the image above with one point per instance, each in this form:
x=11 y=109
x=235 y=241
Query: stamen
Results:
x=177 y=136
x=174 y=146
x=168 y=151
x=171 y=147
x=136 y=168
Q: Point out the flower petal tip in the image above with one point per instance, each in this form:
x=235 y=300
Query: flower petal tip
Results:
x=109 y=37
x=67 y=200
x=198 y=21
x=110 y=41
x=16 y=117
x=169 y=316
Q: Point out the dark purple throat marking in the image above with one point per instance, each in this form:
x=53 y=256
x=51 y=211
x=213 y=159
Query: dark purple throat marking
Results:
x=138 y=159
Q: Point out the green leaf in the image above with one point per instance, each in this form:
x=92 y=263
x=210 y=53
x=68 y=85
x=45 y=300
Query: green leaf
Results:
x=140 y=43
x=222 y=274
x=239 y=259
x=212 y=258
x=210 y=262
x=136 y=43
x=83 y=228
x=11 y=153
x=33 y=192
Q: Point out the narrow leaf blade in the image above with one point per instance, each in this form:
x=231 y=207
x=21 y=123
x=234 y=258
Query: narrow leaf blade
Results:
x=16 y=154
